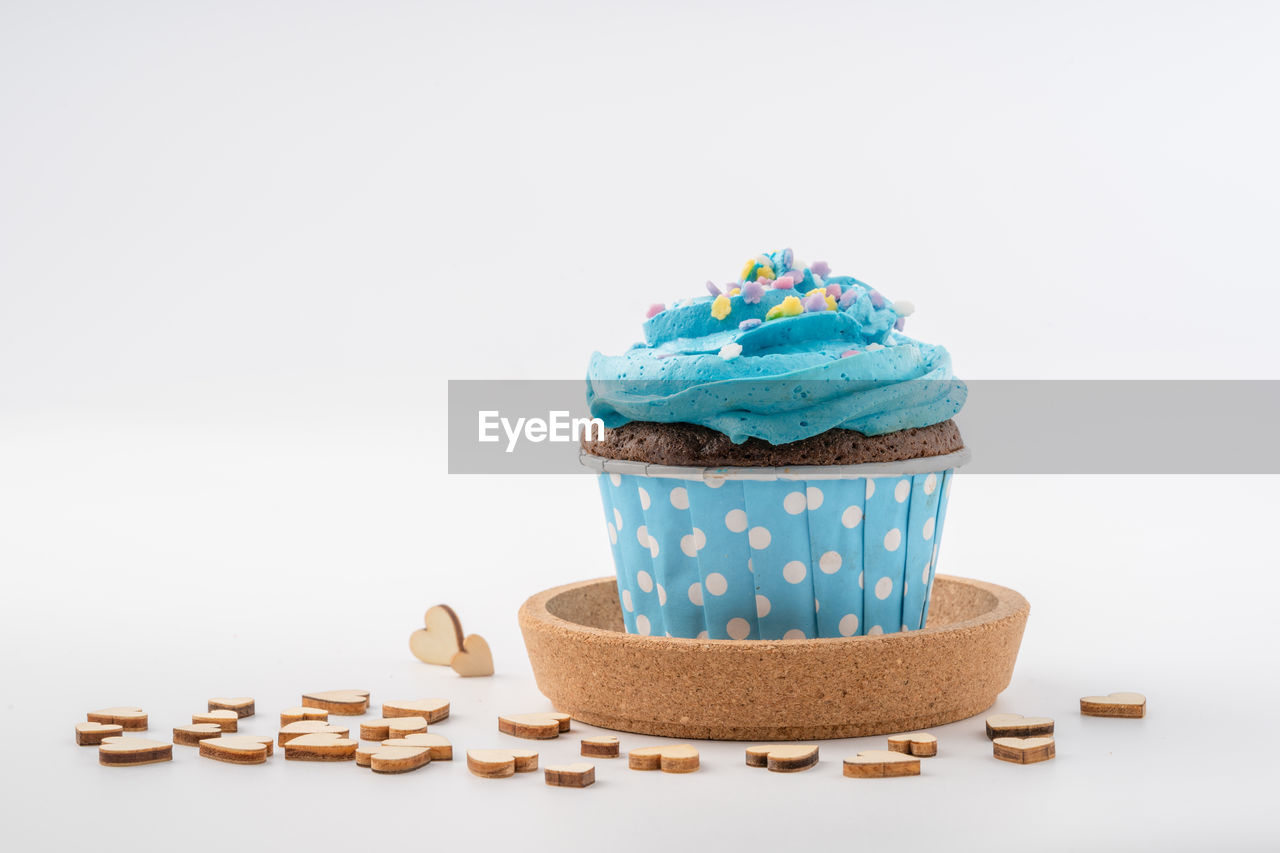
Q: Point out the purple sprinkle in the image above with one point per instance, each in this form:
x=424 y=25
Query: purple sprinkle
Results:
x=749 y=324
x=815 y=302
x=820 y=268
x=847 y=298
x=655 y=309
x=900 y=324
x=752 y=291
x=876 y=299
x=833 y=290
x=712 y=289
x=849 y=352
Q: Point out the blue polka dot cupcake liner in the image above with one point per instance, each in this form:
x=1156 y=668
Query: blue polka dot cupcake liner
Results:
x=775 y=553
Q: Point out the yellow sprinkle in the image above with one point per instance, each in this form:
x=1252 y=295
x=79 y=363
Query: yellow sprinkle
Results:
x=831 y=303
x=789 y=307
x=720 y=307
x=735 y=291
x=746 y=270
x=765 y=271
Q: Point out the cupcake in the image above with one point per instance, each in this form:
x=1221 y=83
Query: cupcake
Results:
x=777 y=460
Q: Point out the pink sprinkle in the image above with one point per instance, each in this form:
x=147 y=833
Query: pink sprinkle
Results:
x=849 y=352
x=848 y=298
x=749 y=324
x=815 y=302
x=784 y=283
x=833 y=290
x=876 y=299
x=712 y=289
x=820 y=268
x=752 y=291
x=655 y=309
x=900 y=324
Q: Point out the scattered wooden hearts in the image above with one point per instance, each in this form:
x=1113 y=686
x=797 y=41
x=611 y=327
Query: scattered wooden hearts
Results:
x=441 y=749
x=680 y=758
x=1023 y=750
x=344 y=703
x=127 y=717
x=237 y=749
x=297 y=715
x=1016 y=725
x=397 y=759
x=577 y=775
x=124 y=751
x=499 y=763
x=192 y=735
x=1131 y=705
x=320 y=746
x=440 y=638
x=392 y=727
x=228 y=721
x=600 y=747
x=242 y=705
x=783 y=758
x=92 y=734
x=474 y=658
x=919 y=744
x=879 y=763
x=310 y=727
x=534 y=726
x=434 y=710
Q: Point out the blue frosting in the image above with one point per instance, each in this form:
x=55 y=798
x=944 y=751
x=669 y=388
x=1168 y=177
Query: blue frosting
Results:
x=843 y=365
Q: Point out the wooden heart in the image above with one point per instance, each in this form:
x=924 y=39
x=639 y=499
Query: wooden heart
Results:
x=127 y=717
x=310 y=727
x=124 y=751
x=434 y=710
x=677 y=758
x=192 y=735
x=499 y=763
x=534 y=726
x=441 y=749
x=474 y=658
x=242 y=705
x=919 y=744
x=1131 y=705
x=297 y=715
x=344 y=703
x=440 y=638
x=321 y=746
x=397 y=759
x=1023 y=750
x=228 y=721
x=237 y=749
x=580 y=774
x=600 y=747
x=92 y=734
x=1016 y=725
x=389 y=727
x=783 y=758
x=879 y=763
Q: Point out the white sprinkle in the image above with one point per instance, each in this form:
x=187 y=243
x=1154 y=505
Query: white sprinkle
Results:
x=730 y=351
x=873 y=347
x=904 y=307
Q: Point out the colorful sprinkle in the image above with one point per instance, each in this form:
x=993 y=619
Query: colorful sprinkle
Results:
x=751 y=292
x=735 y=291
x=784 y=283
x=749 y=324
x=815 y=302
x=847 y=298
x=900 y=323
x=720 y=307
x=874 y=347
x=730 y=351
x=789 y=307
x=820 y=268
x=712 y=289
x=904 y=307
x=831 y=303
x=876 y=299
x=834 y=290
x=849 y=352
x=788 y=259
x=747 y=270
x=654 y=310
x=764 y=271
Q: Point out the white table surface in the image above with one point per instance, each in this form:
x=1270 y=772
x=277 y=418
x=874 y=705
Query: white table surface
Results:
x=163 y=564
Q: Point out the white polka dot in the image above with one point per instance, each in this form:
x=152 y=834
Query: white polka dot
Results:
x=716 y=584
x=851 y=517
x=615 y=479
x=816 y=605
x=928 y=529
x=813 y=495
x=930 y=484
x=794 y=571
x=695 y=593
x=875 y=631
x=860 y=574
x=794 y=503
x=902 y=491
x=751 y=567
x=759 y=537
x=871 y=488
x=892 y=539
x=735 y=520
x=702 y=635
x=680 y=497
x=692 y=543
x=884 y=587
x=924 y=576
x=626 y=600
x=848 y=625
x=653 y=546
x=763 y=606
x=714 y=482
x=642 y=625
x=644 y=581
x=795 y=634
x=830 y=562
x=644 y=497
x=642 y=536
x=738 y=628
x=662 y=595
x=613 y=532
x=617 y=518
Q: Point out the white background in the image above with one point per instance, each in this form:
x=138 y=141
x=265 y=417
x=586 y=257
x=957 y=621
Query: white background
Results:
x=243 y=246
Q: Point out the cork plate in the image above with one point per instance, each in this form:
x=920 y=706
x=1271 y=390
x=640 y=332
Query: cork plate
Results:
x=773 y=689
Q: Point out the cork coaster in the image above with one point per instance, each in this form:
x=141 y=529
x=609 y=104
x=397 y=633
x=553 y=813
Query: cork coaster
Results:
x=1130 y=705
x=954 y=668
x=297 y=715
x=344 y=703
x=238 y=749
x=127 y=717
x=320 y=746
x=440 y=638
x=242 y=705
x=879 y=764
x=389 y=727
x=92 y=734
x=919 y=744
x=680 y=758
x=228 y=721
x=192 y=735
x=577 y=775
x=310 y=727
x=783 y=758
x=438 y=746
x=1023 y=750
x=601 y=747
x=125 y=751
x=534 y=726
x=500 y=763
x=1016 y=725
x=434 y=710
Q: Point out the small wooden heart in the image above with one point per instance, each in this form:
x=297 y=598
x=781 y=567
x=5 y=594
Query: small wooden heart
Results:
x=534 y=726
x=499 y=763
x=389 y=727
x=322 y=746
x=677 y=758
x=1023 y=750
x=242 y=705
x=397 y=759
x=1131 y=705
x=130 y=718
x=783 y=758
x=310 y=727
x=879 y=763
x=434 y=710
x=228 y=721
x=92 y=734
x=606 y=746
x=919 y=744
x=297 y=715
x=439 y=746
x=344 y=703
x=132 y=751
x=580 y=774
x=474 y=658
x=237 y=749
x=192 y=735
x=440 y=638
x=1016 y=725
